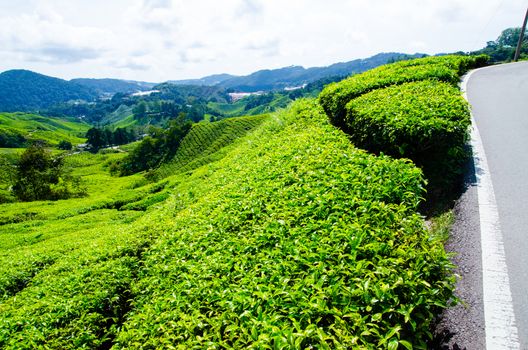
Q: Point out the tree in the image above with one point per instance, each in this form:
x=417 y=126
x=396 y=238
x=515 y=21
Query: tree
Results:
x=95 y=138
x=503 y=48
x=140 y=110
x=177 y=130
x=122 y=136
x=509 y=37
x=65 y=145
x=36 y=172
x=39 y=176
x=146 y=155
x=161 y=145
x=108 y=137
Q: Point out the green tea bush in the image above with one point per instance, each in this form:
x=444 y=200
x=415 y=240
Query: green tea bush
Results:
x=295 y=239
x=426 y=121
x=443 y=68
x=204 y=140
x=78 y=302
x=292 y=238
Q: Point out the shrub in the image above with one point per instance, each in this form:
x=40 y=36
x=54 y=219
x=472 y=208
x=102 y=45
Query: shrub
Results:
x=443 y=68
x=298 y=240
x=293 y=239
x=425 y=121
x=201 y=145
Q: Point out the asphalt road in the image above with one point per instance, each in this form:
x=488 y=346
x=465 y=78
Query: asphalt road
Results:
x=499 y=99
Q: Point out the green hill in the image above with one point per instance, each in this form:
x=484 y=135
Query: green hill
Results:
x=293 y=238
x=205 y=142
x=277 y=234
x=23 y=90
x=17 y=129
x=113 y=86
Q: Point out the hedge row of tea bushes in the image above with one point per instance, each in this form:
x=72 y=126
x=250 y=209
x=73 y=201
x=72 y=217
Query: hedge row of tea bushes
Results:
x=426 y=121
x=204 y=140
x=448 y=69
x=66 y=267
x=409 y=109
x=295 y=239
x=79 y=290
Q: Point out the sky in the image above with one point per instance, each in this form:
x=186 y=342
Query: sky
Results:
x=160 y=40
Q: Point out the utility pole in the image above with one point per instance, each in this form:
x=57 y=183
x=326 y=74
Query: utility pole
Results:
x=521 y=37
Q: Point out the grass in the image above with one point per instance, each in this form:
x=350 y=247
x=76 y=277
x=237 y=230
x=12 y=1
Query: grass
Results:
x=440 y=225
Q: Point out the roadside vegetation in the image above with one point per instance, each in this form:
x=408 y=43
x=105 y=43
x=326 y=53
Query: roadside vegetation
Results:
x=503 y=48
x=271 y=231
x=410 y=109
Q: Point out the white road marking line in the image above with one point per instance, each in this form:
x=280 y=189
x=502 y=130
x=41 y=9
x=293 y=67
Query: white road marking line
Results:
x=501 y=331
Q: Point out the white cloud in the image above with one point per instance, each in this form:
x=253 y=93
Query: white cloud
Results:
x=157 y=40
x=249 y=8
x=155 y=15
x=45 y=37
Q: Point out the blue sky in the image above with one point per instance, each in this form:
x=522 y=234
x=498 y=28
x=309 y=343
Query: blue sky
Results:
x=158 y=40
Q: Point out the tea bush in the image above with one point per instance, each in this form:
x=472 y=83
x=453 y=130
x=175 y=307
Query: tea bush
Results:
x=294 y=240
x=288 y=237
x=443 y=68
x=204 y=140
x=426 y=121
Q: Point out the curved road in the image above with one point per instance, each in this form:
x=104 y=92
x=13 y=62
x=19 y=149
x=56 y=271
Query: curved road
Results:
x=499 y=99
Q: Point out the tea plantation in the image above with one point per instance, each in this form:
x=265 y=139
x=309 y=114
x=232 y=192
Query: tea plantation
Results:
x=263 y=232
x=17 y=129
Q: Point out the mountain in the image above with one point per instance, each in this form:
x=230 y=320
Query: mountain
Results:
x=209 y=80
x=278 y=79
x=23 y=90
x=113 y=86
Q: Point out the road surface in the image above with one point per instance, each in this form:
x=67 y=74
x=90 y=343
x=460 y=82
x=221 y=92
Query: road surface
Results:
x=491 y=232
x=499 y=99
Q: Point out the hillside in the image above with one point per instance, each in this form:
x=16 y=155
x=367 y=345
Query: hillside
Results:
x=17 y=129
x=205 y=143
x=282 y=234
x=113 y=86
x=23 y=90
